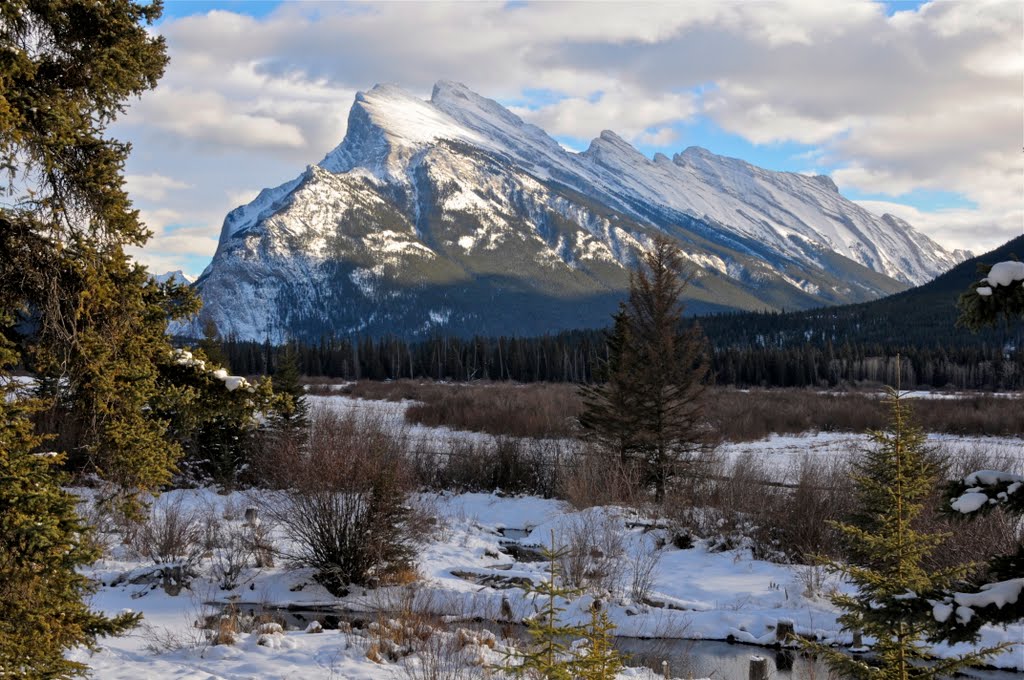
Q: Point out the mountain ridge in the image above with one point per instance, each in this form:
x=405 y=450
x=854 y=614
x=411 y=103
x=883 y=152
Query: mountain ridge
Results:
x=429 y=211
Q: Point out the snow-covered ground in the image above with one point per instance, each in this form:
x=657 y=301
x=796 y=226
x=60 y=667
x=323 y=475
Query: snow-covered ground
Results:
x=467 y=571
x=695 y=593
x=780 y=454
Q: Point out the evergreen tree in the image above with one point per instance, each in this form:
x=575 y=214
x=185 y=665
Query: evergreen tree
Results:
x=999 y=600
x=211 y=344
x=652 y=404
x=601 y=660
x=608 y=415
x=292 y=414
x=986 y=303
x=42 y=543
x=549 y=656
x=84 y=314
x=213 y=416
x=886 y=552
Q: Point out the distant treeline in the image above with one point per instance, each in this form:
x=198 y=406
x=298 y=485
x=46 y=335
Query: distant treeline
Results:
x=576 y=357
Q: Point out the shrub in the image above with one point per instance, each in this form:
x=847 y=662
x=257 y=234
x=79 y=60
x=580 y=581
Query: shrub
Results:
x=171 y=534
x=592 y=557
x=343 y=502
x=507 y=464
x=593 y=477
x=539 y=410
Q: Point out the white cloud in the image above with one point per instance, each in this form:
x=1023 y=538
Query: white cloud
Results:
x=628 y=113
x=660 y=137
x=210 y=117
x=924 y=99
x=152 y=187
x=974 y=230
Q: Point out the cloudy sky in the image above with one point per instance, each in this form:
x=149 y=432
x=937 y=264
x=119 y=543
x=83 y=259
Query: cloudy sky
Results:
x=913 y=108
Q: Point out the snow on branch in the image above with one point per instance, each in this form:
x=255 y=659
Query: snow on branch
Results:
x=985 y=489
x=183 y=357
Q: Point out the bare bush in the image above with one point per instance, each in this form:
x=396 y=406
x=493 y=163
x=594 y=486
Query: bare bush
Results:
x=232 y=555
x=594 y=477
x=592 y=553
x=747 y=503
x=748 y=415
x=343 y=502
x=816 y=580
x=172 y=534
x=643 y=573
x=532 y=410
x=443 y=656
x=258 y=539
x=801 y=522
x=507 y=464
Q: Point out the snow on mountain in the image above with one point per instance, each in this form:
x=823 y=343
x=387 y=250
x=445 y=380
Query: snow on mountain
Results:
x=454 y=212
x=176 y=275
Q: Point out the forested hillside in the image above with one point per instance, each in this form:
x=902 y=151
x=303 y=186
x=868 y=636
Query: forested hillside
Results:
x=823 y=347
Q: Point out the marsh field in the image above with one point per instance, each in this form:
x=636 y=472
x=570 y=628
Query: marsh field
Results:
x=494 y=473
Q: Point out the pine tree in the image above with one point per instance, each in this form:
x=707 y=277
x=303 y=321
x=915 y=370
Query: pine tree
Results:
x=292 y=415
x=601 y=661
x=886 y=561
x=42 y=543
x=549 y=656
x=984 y=491
x=651 y=407
x=84 y=314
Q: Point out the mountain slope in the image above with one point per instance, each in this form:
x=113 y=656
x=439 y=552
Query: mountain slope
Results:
x=924 y=316
x=453 y=214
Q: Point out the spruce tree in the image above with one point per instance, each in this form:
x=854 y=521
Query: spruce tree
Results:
x=986 y=303
x=213 y=416
x=886 y=557
x=211 y=344
x=651 y=407
x=601 y=661
x=42 y=543
x=999 y=599
x=608 y=416
x=292 y=415
x=549 y=656
x=83 y=313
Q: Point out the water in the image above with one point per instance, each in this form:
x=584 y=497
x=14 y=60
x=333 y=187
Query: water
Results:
x=513 y=534
x=721 y=660
x=686 y=658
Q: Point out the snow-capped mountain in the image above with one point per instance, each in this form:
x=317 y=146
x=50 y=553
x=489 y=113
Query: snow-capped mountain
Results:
x=455 y=214
x=176 y=275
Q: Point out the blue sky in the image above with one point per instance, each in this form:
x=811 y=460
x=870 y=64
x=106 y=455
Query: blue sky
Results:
x=912 y=107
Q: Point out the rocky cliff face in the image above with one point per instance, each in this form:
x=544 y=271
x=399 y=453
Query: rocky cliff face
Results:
x=454 y=215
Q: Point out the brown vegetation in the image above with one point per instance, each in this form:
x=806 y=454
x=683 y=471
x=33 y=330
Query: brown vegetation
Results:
x=551 y=409
x=343 y=500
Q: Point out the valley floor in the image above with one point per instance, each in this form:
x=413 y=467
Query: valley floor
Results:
x=468 y=568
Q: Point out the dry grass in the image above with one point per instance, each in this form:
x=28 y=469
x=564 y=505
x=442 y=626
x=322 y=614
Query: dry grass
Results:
x=754 y=414
x=534 y=410
x=550 y=410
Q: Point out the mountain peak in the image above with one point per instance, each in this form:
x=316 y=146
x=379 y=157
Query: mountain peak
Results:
x=608 y=143
x=431 y=210
x=386 y=124
x=451 y=88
